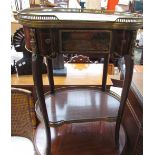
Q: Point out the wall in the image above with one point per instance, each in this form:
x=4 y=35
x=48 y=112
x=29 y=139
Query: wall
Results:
x=93 y=4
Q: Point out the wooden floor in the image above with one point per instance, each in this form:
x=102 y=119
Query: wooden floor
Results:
x=95 y=138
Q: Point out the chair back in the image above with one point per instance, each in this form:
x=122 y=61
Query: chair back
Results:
x=23 y=118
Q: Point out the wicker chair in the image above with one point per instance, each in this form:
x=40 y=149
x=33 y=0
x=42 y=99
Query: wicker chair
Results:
x=23 y=122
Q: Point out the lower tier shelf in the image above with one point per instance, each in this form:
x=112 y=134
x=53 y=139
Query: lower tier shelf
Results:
x=74 y=105
x=95 y=138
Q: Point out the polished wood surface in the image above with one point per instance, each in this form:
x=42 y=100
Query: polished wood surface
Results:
x=72 y=105
x=95 y=138
x=77 y=74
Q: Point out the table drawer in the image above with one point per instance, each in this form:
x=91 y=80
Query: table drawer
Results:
x=85 y=41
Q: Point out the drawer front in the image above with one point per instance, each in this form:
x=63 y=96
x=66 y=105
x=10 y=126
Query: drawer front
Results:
x=85 y=41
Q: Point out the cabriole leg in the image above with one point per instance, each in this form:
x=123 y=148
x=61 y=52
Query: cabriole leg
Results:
x=37 y=77
x=37 y=60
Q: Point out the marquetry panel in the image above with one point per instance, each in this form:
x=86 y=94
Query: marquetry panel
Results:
x=85 y=41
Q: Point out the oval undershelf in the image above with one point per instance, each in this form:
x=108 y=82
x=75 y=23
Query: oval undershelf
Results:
x=75 y=105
